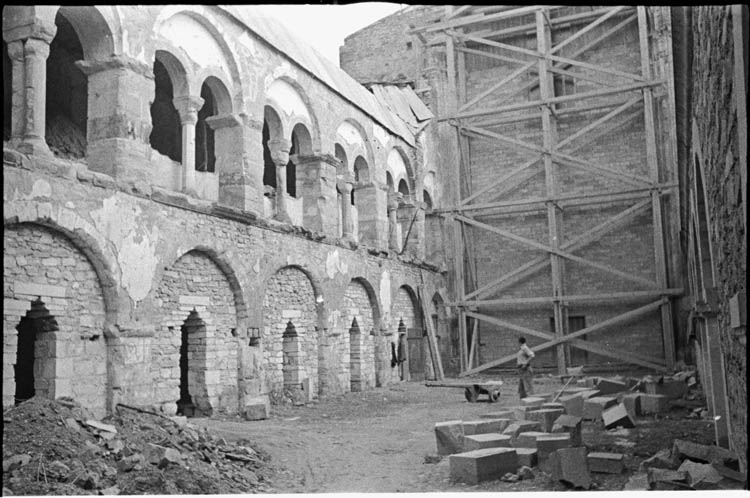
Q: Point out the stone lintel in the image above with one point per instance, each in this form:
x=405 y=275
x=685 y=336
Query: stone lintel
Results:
x=115 y=62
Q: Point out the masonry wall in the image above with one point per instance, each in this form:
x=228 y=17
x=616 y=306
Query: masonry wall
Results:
x=234 y=272
x=713 y=111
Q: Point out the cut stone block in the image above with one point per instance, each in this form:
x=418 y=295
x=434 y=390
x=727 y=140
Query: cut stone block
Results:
x=519 y=412
x=520 y=426
x=732 y=475
x=528 y=439
x=617 y=416
x=506 y=414
x=485 y=426
x=570 y=424
x=632 y=403
x=545 y=417
x=532 y=401
x=449 y=437
x=479 y=441
x=654 y=403
x=660 y=460
x=672 y=389
x=702 y=453
x=569 y=465
x=527 y=456
x=700 y=475
x=589 y=394
x=608 y=463
x=550 y=405
x=611 y=386
x=637 y=482
x=482 y=465
x=593 y=407
x=663 y=479
x=572 y=404
x=551 y=442
x=258 y=408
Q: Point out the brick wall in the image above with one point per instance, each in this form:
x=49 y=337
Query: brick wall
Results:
x=39 y=262
x=289 y=297
x=195 y=282
x=713 y=111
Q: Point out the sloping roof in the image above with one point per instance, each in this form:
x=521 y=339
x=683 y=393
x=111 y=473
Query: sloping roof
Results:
x=277 y=35
x=403 y=102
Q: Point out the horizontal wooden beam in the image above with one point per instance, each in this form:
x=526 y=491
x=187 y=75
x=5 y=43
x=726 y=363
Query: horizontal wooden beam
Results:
x=556 y=100
x=475 y=19
x=558 y=252
x=576 y=298
x=665 y=188
x=571 y=339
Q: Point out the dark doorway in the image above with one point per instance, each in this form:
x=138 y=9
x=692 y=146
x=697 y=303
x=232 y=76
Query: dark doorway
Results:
x=185 y=404
x=24 y=369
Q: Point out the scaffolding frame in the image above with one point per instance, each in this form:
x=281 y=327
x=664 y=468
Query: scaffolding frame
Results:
x=652 y=193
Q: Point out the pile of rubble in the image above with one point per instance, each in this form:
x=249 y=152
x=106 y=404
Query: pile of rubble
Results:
x=545 y=432
x=58 y=448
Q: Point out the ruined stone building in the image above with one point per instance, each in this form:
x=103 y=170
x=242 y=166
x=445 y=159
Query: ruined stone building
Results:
x=202 y=214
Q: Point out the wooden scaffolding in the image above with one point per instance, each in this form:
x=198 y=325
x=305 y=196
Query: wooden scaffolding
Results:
x=472 y=30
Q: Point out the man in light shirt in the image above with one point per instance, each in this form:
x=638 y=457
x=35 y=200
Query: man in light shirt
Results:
x=525 y=374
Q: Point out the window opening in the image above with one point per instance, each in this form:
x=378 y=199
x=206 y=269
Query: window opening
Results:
x=205 y=156
x=37 y=320
x=166 y=131
x=269 y=169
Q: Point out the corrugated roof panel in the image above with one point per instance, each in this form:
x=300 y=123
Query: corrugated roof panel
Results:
x=299 y=51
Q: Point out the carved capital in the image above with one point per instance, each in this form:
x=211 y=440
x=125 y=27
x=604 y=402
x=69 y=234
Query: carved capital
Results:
x=35 y=47
x=280 y=151
x=115 y=62
x=188 y=108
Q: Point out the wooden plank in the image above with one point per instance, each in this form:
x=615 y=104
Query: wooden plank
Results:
x=556 y=58
x=461 y=66
x=549 y=140
x=497 y=85
x=451 y=68
x=491 y=55
x=437 y=363
x=612 y=12
x=739 y=89
x=570 y=338
x=474 y=19
x=651 y=159
x=584 y=77
x=457 y=12
x=556 y=100
x=561 y=157
x=575 y=244
x=559 y=252
x=458 y=269
x=576 y=298
x=472 y=349
x=502 y=179
x=599 y=122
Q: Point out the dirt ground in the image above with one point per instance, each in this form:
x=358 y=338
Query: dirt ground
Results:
x=378 y=441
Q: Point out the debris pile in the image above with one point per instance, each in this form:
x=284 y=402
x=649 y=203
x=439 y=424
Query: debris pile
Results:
x=58 y=448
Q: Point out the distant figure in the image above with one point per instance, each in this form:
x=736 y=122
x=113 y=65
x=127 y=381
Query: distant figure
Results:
x=525 y=373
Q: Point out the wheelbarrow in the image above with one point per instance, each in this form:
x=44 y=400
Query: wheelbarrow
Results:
x=472 y=390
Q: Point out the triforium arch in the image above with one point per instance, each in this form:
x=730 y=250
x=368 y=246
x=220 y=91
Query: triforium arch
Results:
x=406 y=317
x=213 y=136
x=202 y=312
x=171 y=87
x=361 y=322
x=292 y=305
x=60 y=297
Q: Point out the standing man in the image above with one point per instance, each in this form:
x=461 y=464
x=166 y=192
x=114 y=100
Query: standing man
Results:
x=525 y=374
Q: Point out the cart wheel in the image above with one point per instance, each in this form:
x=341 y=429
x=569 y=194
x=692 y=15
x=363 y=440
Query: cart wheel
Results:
x=471 y=393
x=494 y=396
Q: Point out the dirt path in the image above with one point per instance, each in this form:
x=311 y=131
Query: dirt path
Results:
x=377 y=441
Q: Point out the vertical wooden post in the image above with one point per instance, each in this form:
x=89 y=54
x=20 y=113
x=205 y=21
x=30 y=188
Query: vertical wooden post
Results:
x=459 y=290
x=651 y=159
x=549 y=137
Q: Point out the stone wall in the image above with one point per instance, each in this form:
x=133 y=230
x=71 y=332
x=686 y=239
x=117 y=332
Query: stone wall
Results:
x=361 y=351
x=71 y=361
x=716 y=146
x=156 y=255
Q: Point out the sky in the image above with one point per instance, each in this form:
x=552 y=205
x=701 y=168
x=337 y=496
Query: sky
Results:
x=326 y=26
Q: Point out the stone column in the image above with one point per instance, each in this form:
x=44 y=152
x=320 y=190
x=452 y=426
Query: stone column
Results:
x=188 y=108
x=280 y=157
x=229 y=150
x=345 y=184
x=120 y=89
x=316 y=182
x=35 y=79
x=393 y=203
x=18 y=95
